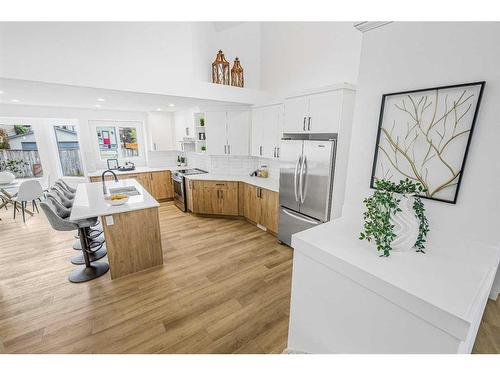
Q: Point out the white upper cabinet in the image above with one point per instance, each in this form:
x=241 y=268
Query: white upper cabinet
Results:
x=267 y=131
x=238 y=131
x=316 y=113
x=227 y=133
x=215 y=129
x=296 y=112
x=324 y=112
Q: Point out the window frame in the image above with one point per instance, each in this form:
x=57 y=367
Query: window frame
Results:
x=55 y=143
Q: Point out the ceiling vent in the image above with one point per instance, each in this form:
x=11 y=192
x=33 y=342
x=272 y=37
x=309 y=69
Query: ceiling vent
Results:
x=365 y=26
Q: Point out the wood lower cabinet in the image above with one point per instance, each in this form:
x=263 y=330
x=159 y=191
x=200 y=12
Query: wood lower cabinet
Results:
x=258 y=205
x=158 y=184
x=261 y=207
x=213 y=197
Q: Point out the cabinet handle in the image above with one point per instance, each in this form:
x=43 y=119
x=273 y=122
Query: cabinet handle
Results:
x=308 y=123
x=220 y=184
x=260 y=150
x=229 y=149
x=274 y=152
x=221 y=194
x=277 y=152
x=304 y=125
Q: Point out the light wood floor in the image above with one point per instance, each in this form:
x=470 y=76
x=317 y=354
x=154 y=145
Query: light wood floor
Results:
x=224 y=288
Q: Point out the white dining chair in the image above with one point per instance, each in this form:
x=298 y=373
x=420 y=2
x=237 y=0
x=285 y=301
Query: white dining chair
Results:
x=28 y=191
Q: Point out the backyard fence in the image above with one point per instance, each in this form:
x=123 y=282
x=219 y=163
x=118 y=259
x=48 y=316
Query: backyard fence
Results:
x=70 y=162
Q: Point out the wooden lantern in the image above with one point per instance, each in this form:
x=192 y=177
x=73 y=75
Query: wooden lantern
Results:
x=237 y=74
x=220 y=69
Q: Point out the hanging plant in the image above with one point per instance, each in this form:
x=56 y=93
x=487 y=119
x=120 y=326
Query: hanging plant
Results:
x=383 y=205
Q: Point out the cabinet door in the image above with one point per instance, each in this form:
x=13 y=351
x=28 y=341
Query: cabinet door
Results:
x=189 y=195
x=228 y=201
x=215 y=129
x=238 y=132
x=251 y=206
x=211 y=202
x=197 y=201
x=269 y=210
x=270 y=123
x=324 y=112
x=257 y=131
x=296 y=110
x=161 y=185
x=278 y=129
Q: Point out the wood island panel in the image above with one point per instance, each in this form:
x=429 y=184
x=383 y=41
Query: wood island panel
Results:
x=133 y=242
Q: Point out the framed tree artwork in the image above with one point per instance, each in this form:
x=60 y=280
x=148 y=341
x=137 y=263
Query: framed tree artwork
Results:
x=424 y=135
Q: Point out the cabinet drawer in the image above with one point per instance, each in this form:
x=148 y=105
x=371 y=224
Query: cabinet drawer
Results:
x=220 y=185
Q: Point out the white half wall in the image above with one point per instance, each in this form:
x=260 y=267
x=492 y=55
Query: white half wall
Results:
x=404 y=56
x=304 y=55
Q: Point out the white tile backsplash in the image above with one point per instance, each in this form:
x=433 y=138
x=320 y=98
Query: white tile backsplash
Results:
x=231 y=165
x=162 y=159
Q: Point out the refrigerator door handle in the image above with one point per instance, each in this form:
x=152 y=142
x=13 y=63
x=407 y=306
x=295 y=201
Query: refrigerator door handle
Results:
x=295 y=176
x=301 y=180
x=295 y=216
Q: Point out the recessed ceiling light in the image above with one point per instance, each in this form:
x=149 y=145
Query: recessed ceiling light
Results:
x=14 y=100
x=98 y=106
x=158 y=109
x=171 y=105
x=101 y=100
x=1 y=92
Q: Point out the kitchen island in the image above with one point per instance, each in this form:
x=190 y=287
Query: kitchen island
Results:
x=131 y=230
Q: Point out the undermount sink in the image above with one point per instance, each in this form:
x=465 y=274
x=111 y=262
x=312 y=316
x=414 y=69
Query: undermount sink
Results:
x=129 y=190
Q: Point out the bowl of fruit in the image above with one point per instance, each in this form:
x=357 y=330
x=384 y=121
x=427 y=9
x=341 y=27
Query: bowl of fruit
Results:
x=117 y=199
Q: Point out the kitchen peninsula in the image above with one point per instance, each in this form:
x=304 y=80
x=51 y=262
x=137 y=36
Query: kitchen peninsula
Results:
x=131 y=230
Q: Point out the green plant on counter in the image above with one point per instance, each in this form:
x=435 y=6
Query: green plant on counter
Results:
x=382 y=205
x=203 y=148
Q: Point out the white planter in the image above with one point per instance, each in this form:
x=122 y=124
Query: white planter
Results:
x=405 y=224
x=6 y=177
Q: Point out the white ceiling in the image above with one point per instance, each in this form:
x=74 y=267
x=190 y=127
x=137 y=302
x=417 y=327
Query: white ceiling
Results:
x=22 y=92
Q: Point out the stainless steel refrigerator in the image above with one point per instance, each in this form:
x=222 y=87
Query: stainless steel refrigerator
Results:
x=307 y=165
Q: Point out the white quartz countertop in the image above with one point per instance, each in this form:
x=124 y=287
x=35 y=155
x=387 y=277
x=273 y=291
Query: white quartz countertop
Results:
x=264 y=183
x=442 y=286
x=98 y=173
x=89 y=200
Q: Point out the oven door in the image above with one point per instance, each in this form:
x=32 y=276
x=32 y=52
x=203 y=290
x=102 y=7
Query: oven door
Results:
x=178 y=182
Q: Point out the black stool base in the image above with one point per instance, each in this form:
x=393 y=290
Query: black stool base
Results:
x=84 y=274
x=99 y=254
x=94 y=242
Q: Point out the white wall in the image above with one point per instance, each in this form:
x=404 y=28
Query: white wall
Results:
x=303 y=55
x=404 y=56
x=88 y=137
x=160 y=130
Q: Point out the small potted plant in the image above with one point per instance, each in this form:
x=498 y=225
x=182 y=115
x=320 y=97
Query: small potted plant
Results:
x=202 y=121
x=203 y=148
x=8 y=168
x=395 y=217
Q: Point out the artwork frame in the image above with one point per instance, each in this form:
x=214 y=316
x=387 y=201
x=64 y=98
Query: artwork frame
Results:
x=415 y=129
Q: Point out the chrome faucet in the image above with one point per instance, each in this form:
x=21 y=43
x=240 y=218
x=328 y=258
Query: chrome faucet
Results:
x=104 y=190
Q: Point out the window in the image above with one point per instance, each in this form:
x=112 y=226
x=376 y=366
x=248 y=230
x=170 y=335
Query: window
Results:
x=108 y=147
x=19 y=151
x=117 y=141
x=128 y=142
x=69 y=150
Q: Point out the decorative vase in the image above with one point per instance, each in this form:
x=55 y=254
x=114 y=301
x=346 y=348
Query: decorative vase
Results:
x=6 y=177
x=406 y=224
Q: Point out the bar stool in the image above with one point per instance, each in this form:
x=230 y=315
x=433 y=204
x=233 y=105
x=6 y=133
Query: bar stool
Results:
x=65 y=186
x=91 y=270
x=97 y=250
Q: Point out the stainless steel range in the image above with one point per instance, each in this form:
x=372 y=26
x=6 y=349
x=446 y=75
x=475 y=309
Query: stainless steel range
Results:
x=179 y=183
